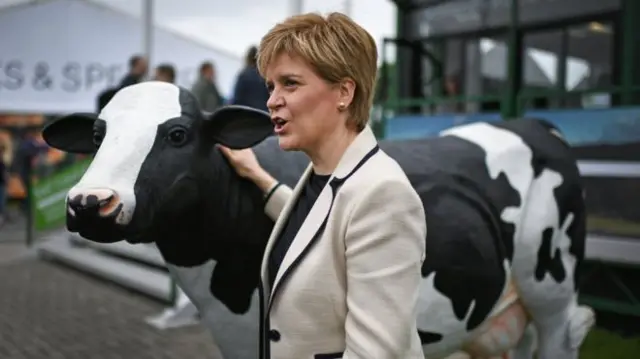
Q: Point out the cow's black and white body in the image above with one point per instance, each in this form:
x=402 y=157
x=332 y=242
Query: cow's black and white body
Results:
x=505 y=217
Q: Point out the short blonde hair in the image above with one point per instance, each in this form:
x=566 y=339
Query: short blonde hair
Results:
x=336 y=47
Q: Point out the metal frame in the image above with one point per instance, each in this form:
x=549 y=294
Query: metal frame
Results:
x=515 y=33
x=604 y=253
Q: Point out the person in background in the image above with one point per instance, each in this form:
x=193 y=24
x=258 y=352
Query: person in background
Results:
x=4 y=181
x=205 y=89
x=138 y=68
x=28 y=149
x=250 y=89
x=104 y=97
x=341 y=271
x=165 y=73
x=137 y=71
x=451 y=90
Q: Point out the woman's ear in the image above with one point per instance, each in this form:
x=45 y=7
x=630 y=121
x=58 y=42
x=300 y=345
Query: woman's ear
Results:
x=347 y=91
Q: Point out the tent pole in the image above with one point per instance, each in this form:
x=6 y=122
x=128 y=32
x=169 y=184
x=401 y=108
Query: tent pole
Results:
x=147 y=28
x=348 y=7
x=296 y=7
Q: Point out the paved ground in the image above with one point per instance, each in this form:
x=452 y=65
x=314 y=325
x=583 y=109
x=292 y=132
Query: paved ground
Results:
x=54 y=312
x=13 y=239
x=48 y=311
x=13 y=228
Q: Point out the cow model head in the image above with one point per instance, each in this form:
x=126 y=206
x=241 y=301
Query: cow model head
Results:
x=148 y=137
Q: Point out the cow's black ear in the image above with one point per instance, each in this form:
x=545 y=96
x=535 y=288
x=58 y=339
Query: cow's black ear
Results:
x=237 y=127
x=72 y=133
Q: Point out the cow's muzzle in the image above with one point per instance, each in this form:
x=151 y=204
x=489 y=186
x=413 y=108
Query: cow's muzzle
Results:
x=93 y=213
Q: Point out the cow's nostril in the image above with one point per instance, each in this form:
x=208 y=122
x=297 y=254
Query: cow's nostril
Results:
x=97 y=202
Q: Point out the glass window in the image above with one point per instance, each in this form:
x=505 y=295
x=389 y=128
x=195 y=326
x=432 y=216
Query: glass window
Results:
x=542 y=68
x=485 y=73
x=589 y=63
x=451 y=82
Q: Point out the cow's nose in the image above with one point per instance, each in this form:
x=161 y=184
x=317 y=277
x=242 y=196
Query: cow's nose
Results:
x=98 y=202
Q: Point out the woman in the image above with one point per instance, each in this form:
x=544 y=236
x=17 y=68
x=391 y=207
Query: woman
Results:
x=341 y=270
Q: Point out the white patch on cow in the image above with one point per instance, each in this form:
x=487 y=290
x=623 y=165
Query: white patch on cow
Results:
x=506 y=153
x=543 y=212
x=132 y=118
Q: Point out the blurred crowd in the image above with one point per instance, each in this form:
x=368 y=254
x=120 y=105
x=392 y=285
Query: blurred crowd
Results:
x=249 y=89
x=25 y=158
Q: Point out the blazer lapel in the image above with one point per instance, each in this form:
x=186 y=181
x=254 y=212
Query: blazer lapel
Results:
x=279 y=226
x=357 y=153
x=307 y=232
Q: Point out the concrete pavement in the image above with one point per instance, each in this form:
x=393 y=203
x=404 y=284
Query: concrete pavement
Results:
x=55 y=312
x=49 y=311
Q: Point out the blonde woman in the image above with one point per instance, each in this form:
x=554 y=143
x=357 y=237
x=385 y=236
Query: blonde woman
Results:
x=341 y=270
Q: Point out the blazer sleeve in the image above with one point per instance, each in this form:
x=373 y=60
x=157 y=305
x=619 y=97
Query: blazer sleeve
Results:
x=385 y=248
x=276 y=199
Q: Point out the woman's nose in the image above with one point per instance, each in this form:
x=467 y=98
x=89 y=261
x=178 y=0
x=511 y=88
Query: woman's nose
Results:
x=275 y=101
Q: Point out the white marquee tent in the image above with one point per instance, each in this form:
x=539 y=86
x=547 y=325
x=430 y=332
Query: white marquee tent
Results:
x=58 y=55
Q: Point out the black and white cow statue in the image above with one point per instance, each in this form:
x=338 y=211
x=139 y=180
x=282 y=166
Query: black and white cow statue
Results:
x=504 y=204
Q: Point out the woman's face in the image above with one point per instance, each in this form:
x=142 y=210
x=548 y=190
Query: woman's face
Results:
x=304 y=107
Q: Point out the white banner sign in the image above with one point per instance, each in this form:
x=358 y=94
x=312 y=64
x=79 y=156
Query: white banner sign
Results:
x=62 y=64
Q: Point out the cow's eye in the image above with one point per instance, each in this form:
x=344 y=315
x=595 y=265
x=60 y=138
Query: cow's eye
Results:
x=177 y=136
x=97 y=138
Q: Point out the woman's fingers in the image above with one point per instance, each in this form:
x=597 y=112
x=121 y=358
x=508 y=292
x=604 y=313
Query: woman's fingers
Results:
x=227 y=152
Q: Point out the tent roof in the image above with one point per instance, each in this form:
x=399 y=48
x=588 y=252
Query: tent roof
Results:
x=11 y=5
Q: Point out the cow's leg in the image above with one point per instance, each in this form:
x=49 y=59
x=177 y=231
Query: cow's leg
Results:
x=503 y=332
x=549 y=248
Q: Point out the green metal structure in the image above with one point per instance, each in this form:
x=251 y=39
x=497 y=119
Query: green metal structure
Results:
x=515 y=96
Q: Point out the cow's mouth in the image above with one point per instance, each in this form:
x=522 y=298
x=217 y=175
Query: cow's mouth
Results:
x=96 y=227
x=100 y=234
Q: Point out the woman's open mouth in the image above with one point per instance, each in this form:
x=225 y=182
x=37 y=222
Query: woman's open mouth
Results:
x=279 y=124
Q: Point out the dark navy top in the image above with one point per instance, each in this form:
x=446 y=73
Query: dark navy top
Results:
x=298 y=214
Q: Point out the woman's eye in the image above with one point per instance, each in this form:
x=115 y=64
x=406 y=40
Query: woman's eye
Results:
x=177 y=136
x=290 y=83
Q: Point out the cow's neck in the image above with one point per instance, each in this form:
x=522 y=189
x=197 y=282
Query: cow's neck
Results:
x=234 y=211
x=232 y=219
x=232 y=222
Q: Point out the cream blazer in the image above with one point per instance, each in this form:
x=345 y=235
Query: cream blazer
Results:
x=348 y=284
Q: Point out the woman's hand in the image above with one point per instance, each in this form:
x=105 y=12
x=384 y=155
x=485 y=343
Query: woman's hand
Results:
x=246 y=165
x=243 y=161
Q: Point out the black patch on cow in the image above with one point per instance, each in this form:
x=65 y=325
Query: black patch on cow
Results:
x=210 y=213
x=166 y=161
x=429 y=337
x=463 y=251
x=578 y=233
x=231 y=281
x=72 y=133
x=177 y=226
x=549 y=262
